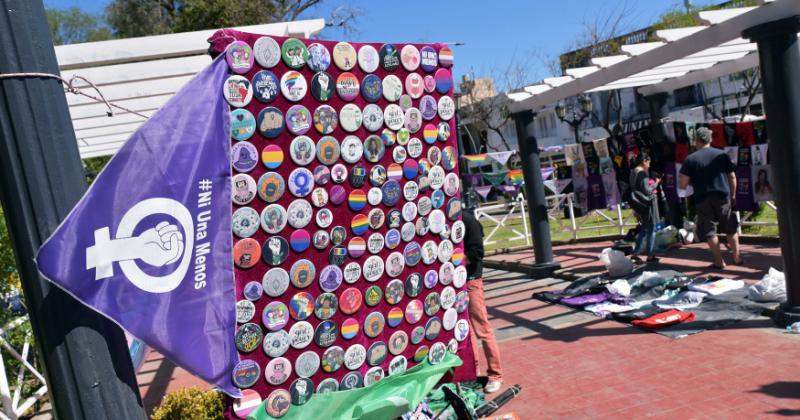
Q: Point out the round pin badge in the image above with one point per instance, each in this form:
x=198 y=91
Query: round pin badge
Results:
x=307 y=363
x=319 y=59
x=414 y=148
x=421 y=354
x=293 y=86
x=278 y=401
x=434 y=155
x=445 y=56
x=411 y=191
x=325 y=333
x=347 y=86
x=446 y=107
x=374 y=196
x=373 y=295
x=413 y=284
x=277 y=372
x=324 y=216
x=429 y=59
x=389 y=57
x=372 y=117
x=246 y=373
x=326 y=119
x=276 y=343
x=272 y=156
x=399 y=339
x=418 y=333
x=368 y=58
x=271 y=186
x=446 y=273
x=337 y=255
x=352 y=272
x=436 y=221
x=275 y=316
x=394 y=317
x=350 y=118
x=436 y=175
x=322 y=86
x=410 y=169
x=394 y=219
x=458 y=256
x=451 y=184
x=300 y=240
x=275 y=282
x=377 y=175
x=407 y=232
x=351 y=380
x=301 y=182
x=405 y=101
x=321 y=239
x=356 y=247
x=432 y=304
x=414 y=85
x=298 y=119
x=437 y=199
x=398 y=365
x=428 y=107
x=338 y=235
x=409 y=57
x=412 y=254
x=445 y=251
x=424 y=206
x=436 y=354
x=302 y=150
x=444 y=83
x=376 y=218
x=422 y=226
x=301 y=306
x=301 y=274
x=392 y=88
x=430 y=83
x=373 y=268
x=443 y=131
x=445 y=233
x=454 y=209
x=351 y=149
x=330 y=278
x=301 y=390
x=395 y=265
x=327 y=386
x=266 y=86
x=252 y=290
x=355 y=356
x=409 y=211
x=325 y=306
x=374 y=324
x=459 y=276
x=243 y=124
x=238 y=91
x=301 y=334
x=245 y=311
x=350 y=300
x=452 y=346
x=403 y=136
x=448 y=298
x=299 y=213
x=246 y=253
x=449 y=319
x=393 y=117
x=433 y=328
x=412 y=120
x=357 y=200
x=327 y=149
x=270 y=122
x=358 y=176
x=462 y=330
x=250 y=401
x=239 y=56
x=267 y=52
x=389 y=137
x=391 y=193
x=377 y=353
x=294 y=53
x=332 y=359
x=319 y=198
x=449 y=158
x=399 y=155
x=371 y=88
x=373 y=149
x=395 y=172
x=430 y=279
x=275 y=250
x=248 y=337
x=429 y=133
x=344 y=56
x=339 y=176
x=245 y=222
x=350 y=328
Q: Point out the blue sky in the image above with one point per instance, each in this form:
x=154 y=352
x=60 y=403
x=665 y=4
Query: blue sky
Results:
x=494 y=33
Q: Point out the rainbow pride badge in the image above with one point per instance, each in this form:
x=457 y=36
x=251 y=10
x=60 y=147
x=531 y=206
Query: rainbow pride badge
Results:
x=359 y=224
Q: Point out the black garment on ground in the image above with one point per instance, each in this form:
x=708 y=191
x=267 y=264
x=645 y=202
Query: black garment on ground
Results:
x=637 y=314
x=473 y=244
x=708 y=169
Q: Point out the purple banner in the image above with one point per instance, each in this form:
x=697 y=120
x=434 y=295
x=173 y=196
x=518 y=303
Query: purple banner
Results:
x=597 y=197
x=670 y=183
x=149 y=244
x=744 y=190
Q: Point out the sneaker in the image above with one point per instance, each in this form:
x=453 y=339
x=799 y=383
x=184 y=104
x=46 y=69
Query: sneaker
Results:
x=492 y=386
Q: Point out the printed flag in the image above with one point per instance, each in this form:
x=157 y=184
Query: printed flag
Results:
x=476 y=159
x=149 y=245
x=515 y=177
x=500 y=157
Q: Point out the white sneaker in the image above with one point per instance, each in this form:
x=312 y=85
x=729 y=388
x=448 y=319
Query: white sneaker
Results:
x=492 y=386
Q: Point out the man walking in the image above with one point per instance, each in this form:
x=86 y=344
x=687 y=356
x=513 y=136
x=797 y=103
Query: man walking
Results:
x=711 y=173
x=479 y=319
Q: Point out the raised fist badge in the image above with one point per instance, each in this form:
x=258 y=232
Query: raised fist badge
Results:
x=161 y=245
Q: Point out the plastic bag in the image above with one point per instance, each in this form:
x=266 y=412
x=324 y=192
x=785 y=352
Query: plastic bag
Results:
x=647 y=279
x=665 y=238
x=616 y=262
x=771 y=288
x=620 y=287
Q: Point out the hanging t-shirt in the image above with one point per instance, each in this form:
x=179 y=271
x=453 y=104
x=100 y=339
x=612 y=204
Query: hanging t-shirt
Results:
x=597 y=197
x=664 y=319
x=761 y=178
x=745 y=200
x=610 y=189
x=580 y=188
x=760 y=131
x=681 y=137
x=745 y=134
x=718 y=139
x=670 y=183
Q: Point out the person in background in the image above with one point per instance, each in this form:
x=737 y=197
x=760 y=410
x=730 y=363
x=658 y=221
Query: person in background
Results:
x=711 y=174
x=479 y=319
x=643 y=201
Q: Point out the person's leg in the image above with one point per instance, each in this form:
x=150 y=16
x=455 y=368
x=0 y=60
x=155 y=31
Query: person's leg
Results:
x=707 y=228
x=479 y=319
x=713 y=245
x=651 y=239
x=731 y=227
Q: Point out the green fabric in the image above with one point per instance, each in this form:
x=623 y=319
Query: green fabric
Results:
x=389 y=398
x=495 y=178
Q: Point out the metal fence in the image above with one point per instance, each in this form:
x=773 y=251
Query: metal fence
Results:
x=11 y=394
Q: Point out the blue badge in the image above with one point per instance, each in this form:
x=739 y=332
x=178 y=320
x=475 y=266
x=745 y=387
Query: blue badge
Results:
x=371 y=88
x=437 y=199
x=243 y=124
x=392 y=238
x=270 y=122
x=391 y=193
x=266 y=86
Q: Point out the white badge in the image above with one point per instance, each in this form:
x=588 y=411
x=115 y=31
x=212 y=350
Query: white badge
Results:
x=446 y=273
x=446 y=107
x=374 y=196
x=275 y=282
x=352 y=272
x=350 y=118
x=352 y=149
x=407 y=232
x=302 y=150
x=449 y=318
x=451 y=184
x=436 y=176
x=445 y=251
x=375 y=243
x=392 y=88
x=459 y=276
x=429 y=251
x=414 y=147
x=395 y=263
x=458 y=231
x=436 y=221
x=411 y=191
x=372 y=117
x=373 y=268
x=294 y=86
x=393 y=117
x=299 y=213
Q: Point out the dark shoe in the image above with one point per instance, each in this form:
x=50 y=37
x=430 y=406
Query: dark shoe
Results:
x=652 y=259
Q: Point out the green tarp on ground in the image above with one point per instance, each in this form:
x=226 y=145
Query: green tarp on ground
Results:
x=387 y=399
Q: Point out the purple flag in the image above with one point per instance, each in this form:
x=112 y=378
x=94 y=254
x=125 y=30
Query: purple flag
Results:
x=745 y=201
x=670 y=183
x=483 y=190
x=149 y=244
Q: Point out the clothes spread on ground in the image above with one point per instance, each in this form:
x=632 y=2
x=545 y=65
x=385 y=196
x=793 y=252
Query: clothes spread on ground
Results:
x=664 y=319
x=683 y=300
x=583 y=300
x=641 y=313
x=717 y=287
x=605 y=309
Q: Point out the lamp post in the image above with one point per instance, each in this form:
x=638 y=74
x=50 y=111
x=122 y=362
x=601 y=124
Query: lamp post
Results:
x=576 y=120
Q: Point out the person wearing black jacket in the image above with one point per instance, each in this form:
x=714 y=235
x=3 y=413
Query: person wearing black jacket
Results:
x=643 y=202
x=479 y=318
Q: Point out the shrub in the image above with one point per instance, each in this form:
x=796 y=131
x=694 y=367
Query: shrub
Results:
x=190 y=403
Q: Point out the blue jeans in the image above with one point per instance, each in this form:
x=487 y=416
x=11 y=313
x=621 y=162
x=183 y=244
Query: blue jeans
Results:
x=646 y=239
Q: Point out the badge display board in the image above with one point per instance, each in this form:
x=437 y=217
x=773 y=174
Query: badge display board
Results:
x=347 y=232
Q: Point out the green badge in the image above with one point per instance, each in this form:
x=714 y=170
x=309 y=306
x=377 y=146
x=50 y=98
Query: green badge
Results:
x=294 y=53
x=373 y=295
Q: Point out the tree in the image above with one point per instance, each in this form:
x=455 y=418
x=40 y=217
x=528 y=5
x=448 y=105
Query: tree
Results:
x=130 y=18
x=70 y=26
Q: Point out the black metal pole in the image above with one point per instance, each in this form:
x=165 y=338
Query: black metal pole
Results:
x=534 y=189
x=87 y=366
x=779 y=58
